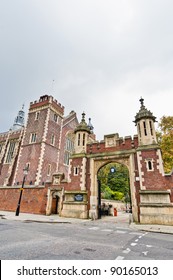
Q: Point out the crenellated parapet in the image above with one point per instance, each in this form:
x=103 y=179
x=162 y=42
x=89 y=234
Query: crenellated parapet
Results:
x=113 y=143
x=45 y=101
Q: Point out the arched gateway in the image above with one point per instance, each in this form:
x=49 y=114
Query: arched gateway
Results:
x=150 y=188
x=97 y=162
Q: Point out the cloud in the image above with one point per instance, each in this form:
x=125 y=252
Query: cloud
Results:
x=102 y=56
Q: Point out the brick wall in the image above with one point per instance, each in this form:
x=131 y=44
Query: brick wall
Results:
x=33 y=200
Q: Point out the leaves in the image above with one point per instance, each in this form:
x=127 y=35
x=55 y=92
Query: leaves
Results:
x=114 y=185
x=165 y=139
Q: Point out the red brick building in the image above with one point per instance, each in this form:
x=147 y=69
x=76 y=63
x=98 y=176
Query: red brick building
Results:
x=64 y=159
x=39 y=145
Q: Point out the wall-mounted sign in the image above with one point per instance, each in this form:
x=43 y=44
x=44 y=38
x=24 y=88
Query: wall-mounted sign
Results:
x=78 y=197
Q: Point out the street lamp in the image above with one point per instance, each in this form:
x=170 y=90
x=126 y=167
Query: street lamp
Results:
x=112 y=170
x=25 y=172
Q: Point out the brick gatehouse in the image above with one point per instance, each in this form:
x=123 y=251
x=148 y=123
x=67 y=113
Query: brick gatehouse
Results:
x=64 y=158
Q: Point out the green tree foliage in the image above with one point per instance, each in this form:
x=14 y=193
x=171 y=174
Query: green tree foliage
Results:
x=114 y=185
x=165 y=139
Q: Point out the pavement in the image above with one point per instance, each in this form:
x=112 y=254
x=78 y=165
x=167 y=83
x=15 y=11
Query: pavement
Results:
x=121 y=217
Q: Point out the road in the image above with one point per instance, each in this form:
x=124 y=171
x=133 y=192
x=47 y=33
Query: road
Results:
x=92 y=240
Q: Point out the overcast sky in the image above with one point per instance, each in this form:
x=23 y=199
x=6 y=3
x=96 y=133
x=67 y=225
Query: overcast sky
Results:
x=103 y=55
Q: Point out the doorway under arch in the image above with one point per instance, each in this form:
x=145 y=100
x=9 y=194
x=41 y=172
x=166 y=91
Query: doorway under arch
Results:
x=113 y=188
x=99 y=161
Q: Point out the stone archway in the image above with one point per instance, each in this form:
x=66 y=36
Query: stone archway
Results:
x=95 y=165
x=113 y=188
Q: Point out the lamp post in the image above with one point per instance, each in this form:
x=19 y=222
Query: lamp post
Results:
x=25 y=172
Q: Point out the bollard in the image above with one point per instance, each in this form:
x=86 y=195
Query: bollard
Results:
x=115 y=211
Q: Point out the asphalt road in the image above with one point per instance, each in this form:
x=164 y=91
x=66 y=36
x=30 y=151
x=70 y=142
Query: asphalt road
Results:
x=92 y=240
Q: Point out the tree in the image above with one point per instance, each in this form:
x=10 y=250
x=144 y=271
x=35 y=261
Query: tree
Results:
x=114 y=185
x=165 y=139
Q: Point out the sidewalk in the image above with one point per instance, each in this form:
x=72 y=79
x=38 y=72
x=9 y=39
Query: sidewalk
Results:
x=122 y=217
x=38 y=218
x=153 y=228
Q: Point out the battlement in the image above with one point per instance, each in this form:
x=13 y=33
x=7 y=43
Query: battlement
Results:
x=10 y=134
x=47 y=99
x=3 y=134
x=113 y=142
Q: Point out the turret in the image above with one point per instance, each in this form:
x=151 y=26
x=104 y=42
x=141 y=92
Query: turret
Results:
x=19 y=120
x=81 y=136
x=144 y=121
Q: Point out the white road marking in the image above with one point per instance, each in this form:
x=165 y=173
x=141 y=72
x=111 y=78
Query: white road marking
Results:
x=126 y=251
x=108 y=230
x=122 y=228
x=120 y=231
x=136 y=240
x=149 y=246
x=94 y=228
x=119 y=258
x=145 y=253
x=135 y=233
x=133 y=244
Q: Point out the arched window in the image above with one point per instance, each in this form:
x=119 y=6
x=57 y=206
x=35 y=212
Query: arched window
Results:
x=10 y=152
x=53 y=139
x=145 y=129
x=139 y=129
x=69 y=147
x=151 y=128
x=76 y=170
x=149 y=164
x=79 y=139
x=37 y=114
x=84 y=139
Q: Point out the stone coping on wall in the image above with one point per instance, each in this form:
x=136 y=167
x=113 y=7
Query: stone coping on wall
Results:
x=156 y=205
x=147 y=147
x=155 y=191
x=20 y=186
x=76 y=202
x=76 y=192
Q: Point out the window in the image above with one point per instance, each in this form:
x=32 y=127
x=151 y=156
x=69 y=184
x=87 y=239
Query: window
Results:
x=66 y=158
x=49 y=170
x=145 y=129
x=76 y=171
x=55 y=117
x=139 y=129
x=53 y=139
x=84 y=139
x=79 y=139
x=151 y=128
x=69 y=147
x=1 y=146
x=10 y=151
x=149 y=164
x=37 y=115
x=33 y=137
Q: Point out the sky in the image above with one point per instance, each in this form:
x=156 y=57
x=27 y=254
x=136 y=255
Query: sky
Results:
x=96 y=56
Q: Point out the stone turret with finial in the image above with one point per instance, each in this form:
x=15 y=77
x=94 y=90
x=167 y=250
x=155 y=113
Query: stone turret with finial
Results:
x=82 y=133
x=83 y=125
x=144 y=121
x=144 y=112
